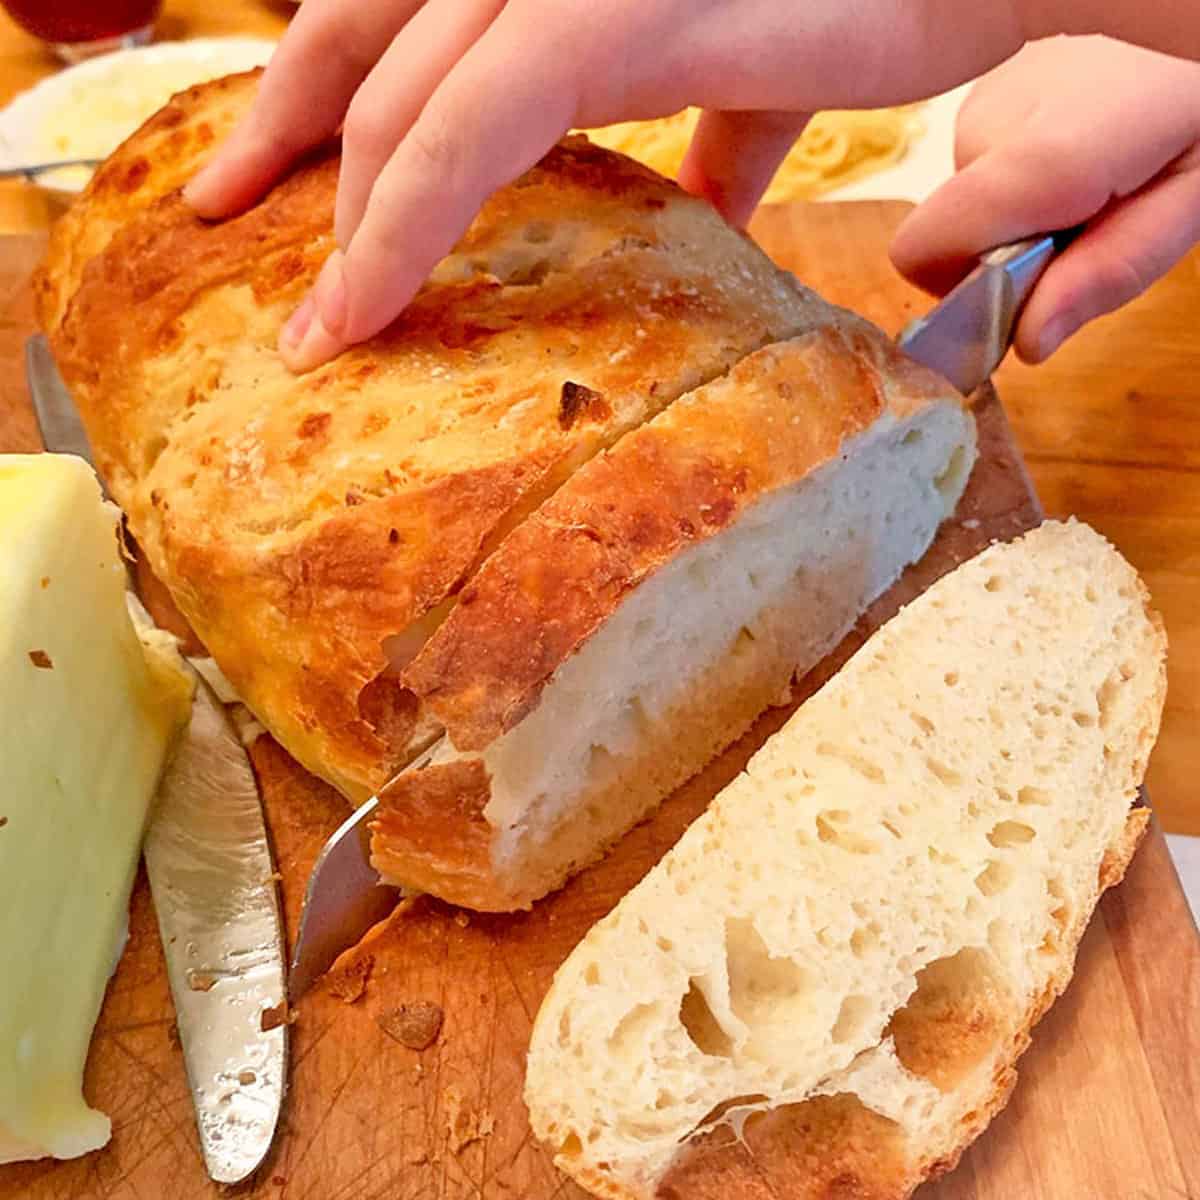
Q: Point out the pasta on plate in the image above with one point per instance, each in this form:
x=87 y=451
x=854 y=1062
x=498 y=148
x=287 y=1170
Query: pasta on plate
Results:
x=836 y=147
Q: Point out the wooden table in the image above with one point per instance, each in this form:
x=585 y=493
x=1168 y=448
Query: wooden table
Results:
x=1110 y=427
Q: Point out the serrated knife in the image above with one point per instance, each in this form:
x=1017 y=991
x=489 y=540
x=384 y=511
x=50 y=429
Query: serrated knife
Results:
x=213 y=882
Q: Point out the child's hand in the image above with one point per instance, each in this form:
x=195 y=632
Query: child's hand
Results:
x=446 y=100
x=1070 y=130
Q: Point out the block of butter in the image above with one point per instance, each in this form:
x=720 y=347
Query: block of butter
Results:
x=87 y=717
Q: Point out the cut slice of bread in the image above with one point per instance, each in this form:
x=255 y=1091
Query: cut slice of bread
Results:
x=862 y=930
x=642 y=619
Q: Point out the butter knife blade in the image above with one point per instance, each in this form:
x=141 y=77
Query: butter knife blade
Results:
x=212 y=879
x=217 y=905
x=62 y=430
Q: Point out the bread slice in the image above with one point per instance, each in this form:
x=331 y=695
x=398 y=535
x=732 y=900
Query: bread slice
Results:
x=862 y=930
x=316 y=530
x=642 y=619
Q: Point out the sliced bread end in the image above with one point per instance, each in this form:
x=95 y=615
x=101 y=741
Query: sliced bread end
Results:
x=839 y=964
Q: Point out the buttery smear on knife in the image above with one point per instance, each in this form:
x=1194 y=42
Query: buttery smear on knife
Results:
x=88 y=712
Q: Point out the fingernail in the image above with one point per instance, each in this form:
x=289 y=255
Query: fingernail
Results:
x=330 y=294
x=297 y=325
x=1055 y=332
x=313 y=333
x=194 y=191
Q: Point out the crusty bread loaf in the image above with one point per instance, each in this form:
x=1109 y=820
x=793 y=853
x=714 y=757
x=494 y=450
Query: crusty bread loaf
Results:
x=314 y=531
x=497 y=521
x=640 y=620
x=865 y=925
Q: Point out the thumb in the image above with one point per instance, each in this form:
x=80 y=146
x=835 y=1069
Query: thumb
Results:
x=1121 y=253
x=734 y=155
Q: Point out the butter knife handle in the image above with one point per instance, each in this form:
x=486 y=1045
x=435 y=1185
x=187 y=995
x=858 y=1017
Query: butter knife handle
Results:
x=1025 y=262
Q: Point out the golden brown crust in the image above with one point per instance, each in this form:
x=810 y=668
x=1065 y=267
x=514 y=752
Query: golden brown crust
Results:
x=688 y=474
x=453 y=857
x=303 y=523
x=826 y=1148
x=176 y=140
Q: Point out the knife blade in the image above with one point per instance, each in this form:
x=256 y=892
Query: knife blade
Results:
x=345 y=895
x=967 y=334
x=344 y=898
x=213 y=883
x=217 y=905
x=62 y=430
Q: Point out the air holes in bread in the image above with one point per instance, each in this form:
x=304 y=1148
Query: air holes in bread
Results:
x=992 y=583
x=830 y=829
x=912 y=438
x=994 y=878
x=768 y=995
x=1011 y=833
x=1036 y=796
x=1108 y=697
x=944 y=774
x=954 y=1021
x=1061 y=913
x=950 y=481
x=629 y=1037
x=864 y=939
x=852 y=1019
x=856 y=762
x=701 y=1026
x=154 y=448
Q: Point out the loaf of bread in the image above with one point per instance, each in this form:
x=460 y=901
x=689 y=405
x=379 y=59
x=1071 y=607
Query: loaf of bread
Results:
x=607 y=429
x=855 y=940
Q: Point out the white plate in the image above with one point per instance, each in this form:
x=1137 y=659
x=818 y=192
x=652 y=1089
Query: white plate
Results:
x=94 y=106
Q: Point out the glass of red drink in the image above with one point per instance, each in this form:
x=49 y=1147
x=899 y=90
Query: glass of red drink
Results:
x=77 y=29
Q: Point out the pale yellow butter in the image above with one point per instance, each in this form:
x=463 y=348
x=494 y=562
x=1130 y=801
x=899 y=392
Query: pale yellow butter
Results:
x=86 y=720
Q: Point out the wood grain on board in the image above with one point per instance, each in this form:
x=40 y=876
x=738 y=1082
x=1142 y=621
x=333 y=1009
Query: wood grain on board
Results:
x=1108 y=1105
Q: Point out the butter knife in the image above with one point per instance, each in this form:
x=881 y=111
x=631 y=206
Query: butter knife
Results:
x=966 y=335
x=212 y=878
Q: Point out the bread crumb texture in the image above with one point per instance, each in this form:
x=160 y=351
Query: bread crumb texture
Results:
x=838 y=965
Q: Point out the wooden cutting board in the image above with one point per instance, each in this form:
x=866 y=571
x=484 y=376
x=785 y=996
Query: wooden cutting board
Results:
x=1108 y=1105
